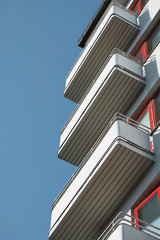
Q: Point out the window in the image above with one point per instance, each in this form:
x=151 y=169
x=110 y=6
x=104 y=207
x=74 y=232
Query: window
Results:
x=149 y=210
x=144 y=119
x=142 y=54
x=151 y=41
x=149 y=116
x=139 y=6
x=154 y=39
x=157 y=101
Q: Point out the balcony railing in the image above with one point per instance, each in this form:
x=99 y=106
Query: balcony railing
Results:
x=117 y=84
x=117 y=116
x=124 y=27
x=108 y=172
x=129 y=220
x=113 y=3
x=114 y=51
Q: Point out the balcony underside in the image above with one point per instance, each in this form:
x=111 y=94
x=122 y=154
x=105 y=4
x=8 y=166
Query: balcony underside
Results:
x=114 y=172
x=115 y=94
x=118 y=32
x=91 y=26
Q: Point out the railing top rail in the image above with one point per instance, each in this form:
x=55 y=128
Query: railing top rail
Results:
x=117 y=221
x=117 y=116
x=114 y=51
x=113 y=3
x=155 y=128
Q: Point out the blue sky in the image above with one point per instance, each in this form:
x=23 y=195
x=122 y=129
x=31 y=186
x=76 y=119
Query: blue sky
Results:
x=38 y=45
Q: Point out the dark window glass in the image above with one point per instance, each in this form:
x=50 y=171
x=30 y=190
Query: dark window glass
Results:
x=153 y=40
x=144 y=119
x=144 y=2
x=139 y=55
x=135 y=10
x=150 y=211
x=139 y=6
x=158 y=106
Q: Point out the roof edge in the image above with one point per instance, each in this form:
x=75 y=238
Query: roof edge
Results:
x=87 y=32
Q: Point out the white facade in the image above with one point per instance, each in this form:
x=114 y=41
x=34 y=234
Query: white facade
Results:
x=118 y=158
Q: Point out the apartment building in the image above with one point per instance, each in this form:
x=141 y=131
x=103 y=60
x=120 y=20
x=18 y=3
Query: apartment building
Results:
x=113 y=134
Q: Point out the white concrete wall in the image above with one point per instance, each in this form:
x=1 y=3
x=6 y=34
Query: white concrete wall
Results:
x=125 y=232
x=117 y=234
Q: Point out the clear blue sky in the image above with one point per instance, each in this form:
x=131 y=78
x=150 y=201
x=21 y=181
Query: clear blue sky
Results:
x=38 y=45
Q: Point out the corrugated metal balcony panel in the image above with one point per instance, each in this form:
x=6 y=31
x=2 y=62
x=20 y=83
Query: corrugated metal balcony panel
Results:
x=117 y=29
x=118 y=196
x=114 y=90
x=96 y=18
x=119 y=160
x=89 y=218
x=116 y=59
x=79 y=141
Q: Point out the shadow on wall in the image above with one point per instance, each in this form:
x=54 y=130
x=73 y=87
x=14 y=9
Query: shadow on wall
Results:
x=144 y=21
x=156 y=140
x=151 y=69
x=144 y=18
x=152 y=77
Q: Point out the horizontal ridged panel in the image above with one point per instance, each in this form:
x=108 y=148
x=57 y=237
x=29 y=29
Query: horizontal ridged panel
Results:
x=115 y=96
x=118 y=33
x=103 y=194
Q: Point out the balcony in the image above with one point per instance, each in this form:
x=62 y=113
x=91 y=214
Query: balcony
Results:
x=116 y=162
x=115 y=87
x=93 y=23
x=116 y=29
x=124 y=227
